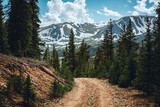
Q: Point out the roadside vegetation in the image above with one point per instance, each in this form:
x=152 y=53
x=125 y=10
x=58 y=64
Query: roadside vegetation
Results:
x=127 y=64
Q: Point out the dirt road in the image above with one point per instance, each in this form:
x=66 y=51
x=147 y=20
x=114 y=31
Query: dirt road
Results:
x=87 y=92
x=91 y=92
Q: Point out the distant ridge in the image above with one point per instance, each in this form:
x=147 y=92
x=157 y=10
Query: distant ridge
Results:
x=92 y=32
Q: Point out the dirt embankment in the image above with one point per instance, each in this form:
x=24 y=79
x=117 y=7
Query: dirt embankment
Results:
x=41 y=74
x=87 y=92
x=90 y=92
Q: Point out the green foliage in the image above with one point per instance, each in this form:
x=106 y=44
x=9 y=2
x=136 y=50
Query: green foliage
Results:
x=23 y=26
x=4 y=47
x=71 y=52
x=126 y=53
x=157 y=57
x=46 y=56
x=82 y=59
x=29 y=96
x=56 y=90
x=35 y=50
x=1 y=101
x=104 y=55
x=100 y=70
x=145 y=73
x=124 y=80
x=15 y=84
x=55 y=59
x=157 y=96
x=66 y=73
x=111 y=44
x=114 y=72
x=68 y=86
x=18 y=50
x=20 y=26
x=105 y=47
x=129 y=73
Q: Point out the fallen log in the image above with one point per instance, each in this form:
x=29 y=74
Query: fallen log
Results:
x=52 y=74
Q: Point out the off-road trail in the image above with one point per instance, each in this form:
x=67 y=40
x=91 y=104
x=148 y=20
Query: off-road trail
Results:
x=87 y=92
x=91 y=92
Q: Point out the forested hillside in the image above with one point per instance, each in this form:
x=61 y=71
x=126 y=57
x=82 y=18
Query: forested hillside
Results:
x=30 y=76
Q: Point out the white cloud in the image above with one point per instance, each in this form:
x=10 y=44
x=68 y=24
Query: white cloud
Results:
x=99 y=12
x=108 y=12
x=60 y=11
x=129 y=1
x=142 y=6
x=134 y=13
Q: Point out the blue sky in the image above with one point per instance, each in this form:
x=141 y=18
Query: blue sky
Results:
x=93 y=11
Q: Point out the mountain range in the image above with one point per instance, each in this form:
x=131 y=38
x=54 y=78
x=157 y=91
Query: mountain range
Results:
x=93 y=33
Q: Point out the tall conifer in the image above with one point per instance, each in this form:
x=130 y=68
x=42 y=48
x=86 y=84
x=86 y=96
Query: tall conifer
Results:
x=4 y=47
x=20 y=26
x=157 y=56
x=46 y=56
x=35 y=50
x=111 y=43
x=145 y=75
x=71 y=52
x=55 y=59
x=83 y=56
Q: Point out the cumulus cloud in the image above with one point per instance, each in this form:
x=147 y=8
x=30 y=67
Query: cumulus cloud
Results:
x=129 y=1
x=60 y=11
x=142 y=6
x=108 y=12
x=99 y=12
x=134 y=13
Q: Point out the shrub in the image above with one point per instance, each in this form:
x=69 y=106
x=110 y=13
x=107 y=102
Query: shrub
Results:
x=124 y=80
x=114 y=73
x=56 y=90
x=29 y=96
x=1 y=101
x=68 y=86
x=14 y=83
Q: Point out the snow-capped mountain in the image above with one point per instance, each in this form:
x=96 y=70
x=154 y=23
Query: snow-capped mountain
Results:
x=92 y=33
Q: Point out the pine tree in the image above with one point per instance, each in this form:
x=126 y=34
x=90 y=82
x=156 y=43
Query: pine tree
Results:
x=129 y=72
x=105 y=47
x=66 y=73
x=114 y=72
x=65 y=55
x=28 y=94
x=19 y=49
x=46 y=56
x=4 y=47
x=99 y=66
x=35 y=49
x=20 y=26
x=71 y=52
x=56 y=90
x=157 y=56
x=15 y=83
x=83 y=56
x=131 y=44
x=111 y=44
x=98 y=58
x=122 y=41
x=145 y=74
x=55 y=59
x=127 y=55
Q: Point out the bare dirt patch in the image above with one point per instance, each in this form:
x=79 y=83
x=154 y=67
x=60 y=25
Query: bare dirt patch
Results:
x=90 y=92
